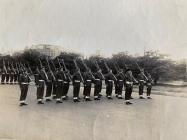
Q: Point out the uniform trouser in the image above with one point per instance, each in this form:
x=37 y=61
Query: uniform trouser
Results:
x=11 y=78
x=65 y=88
x=128 y=92
x=118 y=89
x=87 y=90
x=141 y=89
x=40 y=91
x=3 y=78
x=54 y=88
x=49 y=87
x=97 y=89
x=24 y=90
x=109 y=88
x=149 y=90
x=7 y=78
x=76 y=89
x=15 y=77
x=100 y=87
x=59 y=90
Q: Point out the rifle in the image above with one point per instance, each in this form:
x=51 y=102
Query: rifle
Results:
x=66 y=70
x=41 y=65
x=108 y=69
x=97 y=66
x=31 y=72
x=87 y=69
x=78 y=70
x=50 y=69
x=141 y=70
x=4 y=66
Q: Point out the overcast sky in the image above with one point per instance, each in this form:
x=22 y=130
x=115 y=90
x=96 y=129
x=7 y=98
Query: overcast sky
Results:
x=89 y=25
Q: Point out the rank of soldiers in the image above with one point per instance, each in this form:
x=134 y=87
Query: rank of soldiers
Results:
x=53 y=82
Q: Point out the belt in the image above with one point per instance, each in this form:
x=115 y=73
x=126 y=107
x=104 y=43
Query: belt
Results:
x=65 y=82
x=77 y=81
x=129 y=82
x=60 y=80
x=142 y=80
x=149 y=84
x=110 y=80
x=88 y=80
x=23 y=83
x=97 y=79
x=41 y=80
x=121 y=80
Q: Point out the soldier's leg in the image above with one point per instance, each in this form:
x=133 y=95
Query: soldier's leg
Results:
x=76 y=90
x=40 y=93
x=15 y=78
x=48 y=91
x=149 y=92
x=141 y=89
x=59 y=93
x=54 y=90
x=3 y=79
x=23 y=96
x=96 y=92
x=128 y=92
x=109 y=92
x=11 y=78
x=88 y=90
x=120 y=89
x=65 y=90
x=7 y=78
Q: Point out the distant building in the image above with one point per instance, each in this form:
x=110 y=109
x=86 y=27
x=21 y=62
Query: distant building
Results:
x=45 y=49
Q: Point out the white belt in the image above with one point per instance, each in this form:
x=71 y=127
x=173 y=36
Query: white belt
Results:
x=24 y=83
x=77 y=81
x=65 y=82
x=121 y=80
x=149 y=84
x=60 y=80
x=88 y=80
x=142 y=80
x=97 y=79
x=129 y=82
x=41 y=80
x=110 y=80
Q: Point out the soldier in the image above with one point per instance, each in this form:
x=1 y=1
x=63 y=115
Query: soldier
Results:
x=60 y=76
x=88 y=78
x=142 y=81
x=67 y=81
x=77 y=79
x=98 y=84
x=129 y=79
x=149 y=85
x=49 y=85
x=16 y=74
x=109 y=80
x=24 y=81
x=12 y=73
x=119 y=84
x=8 y=75
x=42 y=77
x=3 y=76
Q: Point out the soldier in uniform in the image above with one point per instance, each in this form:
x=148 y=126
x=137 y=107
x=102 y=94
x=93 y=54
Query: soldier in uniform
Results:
x=149 y=85
x=129 y=80
x=12 y=73
x=76 y=85
x=16 y=74
x=98 y=84
x=67 y=81
x=8 y=75
x=49 y=85
x=88 y=78
x=119 y=84
x=60 y=76
x=109 y=80
x=24 y=81
x=42 y=77
x=142 y=81
x=3 y=76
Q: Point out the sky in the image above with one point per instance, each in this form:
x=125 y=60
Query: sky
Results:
x=87 y=26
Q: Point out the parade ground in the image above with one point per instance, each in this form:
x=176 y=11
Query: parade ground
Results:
x=162 y=118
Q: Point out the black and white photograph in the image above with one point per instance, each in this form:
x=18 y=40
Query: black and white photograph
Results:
x=93 y=69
